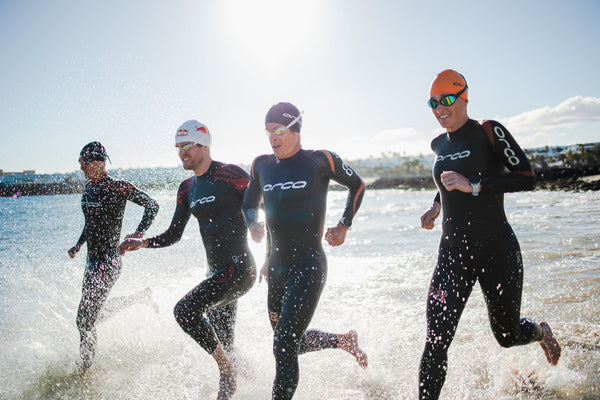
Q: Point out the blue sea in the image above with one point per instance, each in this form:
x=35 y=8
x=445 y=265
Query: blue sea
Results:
x=377 y=285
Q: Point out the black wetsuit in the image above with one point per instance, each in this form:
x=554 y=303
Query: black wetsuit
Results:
x=294 y=191
x=207 y=313
x=103 y=204
x=477 y=244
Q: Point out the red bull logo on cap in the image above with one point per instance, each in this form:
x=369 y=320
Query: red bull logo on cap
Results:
x=182 y=132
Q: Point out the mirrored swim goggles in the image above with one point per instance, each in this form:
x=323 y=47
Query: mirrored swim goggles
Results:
x=447 y=100
x=187 y=147
x=282 y=129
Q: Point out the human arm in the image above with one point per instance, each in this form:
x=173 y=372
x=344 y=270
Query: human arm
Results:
x=140 y=198
x=75 y=249
x=521 y=176
x=343 y=174
x=429 y=217
x=264 y=271
x=250 y=206
x=173 y=234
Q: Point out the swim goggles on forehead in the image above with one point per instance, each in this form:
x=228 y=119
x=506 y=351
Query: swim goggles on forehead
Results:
x=447 y=100
x=281 y=130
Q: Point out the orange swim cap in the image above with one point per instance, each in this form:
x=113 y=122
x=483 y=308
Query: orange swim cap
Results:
x=449 y=81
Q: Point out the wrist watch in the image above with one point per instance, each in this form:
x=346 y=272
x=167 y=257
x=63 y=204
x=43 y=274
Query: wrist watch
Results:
x=475 y=182
x=346 y=222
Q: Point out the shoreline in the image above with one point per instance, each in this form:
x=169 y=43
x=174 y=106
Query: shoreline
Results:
x=565 y=179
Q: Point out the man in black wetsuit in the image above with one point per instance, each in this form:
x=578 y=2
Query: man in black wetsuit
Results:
x=214 y=196
x=103 y=204
x=478 y=243
x=293 y=184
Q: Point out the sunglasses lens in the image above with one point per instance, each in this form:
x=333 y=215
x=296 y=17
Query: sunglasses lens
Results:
x=185 y=147
x=277 y=132
x=432 y=103
x=448 y=100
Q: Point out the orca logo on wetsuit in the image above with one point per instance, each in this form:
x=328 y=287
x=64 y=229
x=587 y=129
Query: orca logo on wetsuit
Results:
x=349 y=171
x=508 y=152
x=285 y=186
x=203 y=200
x=455 y=156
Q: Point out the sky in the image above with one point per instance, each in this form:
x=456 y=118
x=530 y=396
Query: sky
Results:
x=129 y=73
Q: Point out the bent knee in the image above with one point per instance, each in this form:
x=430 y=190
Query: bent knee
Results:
x=506 y=340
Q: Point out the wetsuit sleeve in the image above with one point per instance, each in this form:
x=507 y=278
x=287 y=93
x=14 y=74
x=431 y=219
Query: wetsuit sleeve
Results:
x=83 y=237
x=252 y=197
x=180 y=218
x=341 y=173
x=521 y=176
x=140 y=198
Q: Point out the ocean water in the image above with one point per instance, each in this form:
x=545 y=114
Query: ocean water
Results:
x=376 y=285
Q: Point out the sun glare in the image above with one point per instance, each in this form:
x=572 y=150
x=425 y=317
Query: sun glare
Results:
x=272 y=29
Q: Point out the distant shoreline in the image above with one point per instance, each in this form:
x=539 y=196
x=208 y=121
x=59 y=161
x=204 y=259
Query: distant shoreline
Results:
x=566 y=179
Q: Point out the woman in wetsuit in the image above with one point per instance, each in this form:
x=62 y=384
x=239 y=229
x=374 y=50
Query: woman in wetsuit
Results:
x=478 y=243
x=103 y=203
x=293 y=184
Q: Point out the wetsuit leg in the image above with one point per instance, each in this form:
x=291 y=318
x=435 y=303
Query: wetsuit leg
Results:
x=222 y=287
x=222 y=320
x=294 y=292
x=98 y=280
x=450 y=288
x=501 y=283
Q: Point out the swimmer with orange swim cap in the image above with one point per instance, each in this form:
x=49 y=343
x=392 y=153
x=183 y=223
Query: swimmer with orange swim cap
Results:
x=478 y=243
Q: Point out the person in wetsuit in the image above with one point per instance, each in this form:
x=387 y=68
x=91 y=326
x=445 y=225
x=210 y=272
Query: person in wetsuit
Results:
x=478 y=243
x=214 y=196
x=103 y=204
x=293 y=184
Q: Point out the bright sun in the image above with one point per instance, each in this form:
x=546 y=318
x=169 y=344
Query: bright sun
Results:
x=271 y=29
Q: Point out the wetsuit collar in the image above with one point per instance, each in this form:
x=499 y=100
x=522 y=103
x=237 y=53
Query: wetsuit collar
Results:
x=462 y=129
x=98 y=180
x=290 y=157
x=213 y=165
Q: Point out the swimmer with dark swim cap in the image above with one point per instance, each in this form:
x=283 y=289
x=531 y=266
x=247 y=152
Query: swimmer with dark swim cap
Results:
x=478 y=243
x=103 y=204
x=293 y=185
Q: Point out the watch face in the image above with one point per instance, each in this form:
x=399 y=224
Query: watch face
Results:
x=475 y=179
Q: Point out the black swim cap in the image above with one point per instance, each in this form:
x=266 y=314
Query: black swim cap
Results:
x=284 y=113
x=94 y=151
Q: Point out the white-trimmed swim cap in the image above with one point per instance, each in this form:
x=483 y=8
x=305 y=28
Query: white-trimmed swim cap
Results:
x=193 y=131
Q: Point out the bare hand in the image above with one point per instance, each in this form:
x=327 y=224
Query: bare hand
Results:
x=428 y=218
x=73 y=251
x=131 y=244
x=257 y=231
x=135 y=235
x=455 y=181
x=337 y=235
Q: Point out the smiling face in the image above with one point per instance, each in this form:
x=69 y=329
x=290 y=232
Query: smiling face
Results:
x=284 y=145
x=195 y=158
x=451 y=117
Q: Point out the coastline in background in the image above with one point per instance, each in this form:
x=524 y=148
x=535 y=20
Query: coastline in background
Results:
x=575 y=167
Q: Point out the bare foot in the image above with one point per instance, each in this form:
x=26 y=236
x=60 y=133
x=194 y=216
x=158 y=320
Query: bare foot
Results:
x=227 y=382
x=550 y=345
x=349 y=342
